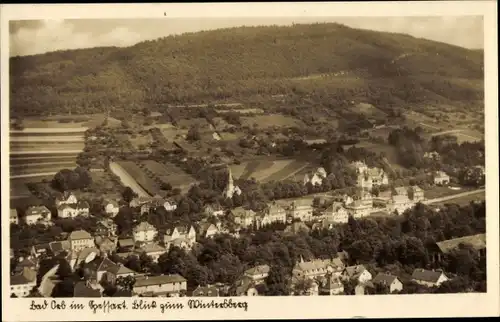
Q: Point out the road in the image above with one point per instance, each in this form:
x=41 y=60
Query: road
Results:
x=127 y=180
x=451 y=197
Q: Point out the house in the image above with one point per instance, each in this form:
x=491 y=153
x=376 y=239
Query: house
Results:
x=66 y=198
x=362 y=288
x=301 y=209
x=14 y=217
x=26 y=262
x=80 y=239
x=206 y=291
x=330 y=285
x=476 y=242
x=383 y=196
x=153 y=250
x=245 y=286
x=273 y=213
x=144 y=232
x=297 y=227
x=432 y=155
x=347 y=200
x=126 y=244
x=417 y=194
x=111 y=208
x=317 y=268
x=106 y=228
x=258 y=273
x=169 y=205
x=161 y=285
x=39 y=249
x=358 y=209
x=180 y=236
x=209 y=230
x=120 y=270
x=400 y=201
x=358 y=273
x=106 y=245
x=98 y=270
x=65 y=210
x=35 y=214
x=337 y=213
x=428 y=278
x=243 y=217
x=441 y=178
x=365 y=197
x=21 y=284
x=214 y=210
x=369 y=177
x=58 y=247
x=152 y=204
x=390 y=281
x=231 y=189
x=83 y=289
x=316 y=178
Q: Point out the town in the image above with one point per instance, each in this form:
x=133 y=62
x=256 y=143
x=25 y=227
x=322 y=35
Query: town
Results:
x=282 y=194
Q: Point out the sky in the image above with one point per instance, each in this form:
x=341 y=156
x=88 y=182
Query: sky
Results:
x=29 y=37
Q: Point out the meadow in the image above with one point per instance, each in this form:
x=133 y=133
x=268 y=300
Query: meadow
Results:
x=265 y=170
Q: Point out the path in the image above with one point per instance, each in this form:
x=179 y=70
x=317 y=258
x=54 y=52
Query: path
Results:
x=451 y=197
x=127 y=180
x=32 y=175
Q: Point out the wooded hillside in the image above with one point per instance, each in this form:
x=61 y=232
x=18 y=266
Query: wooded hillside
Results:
x=338 y=62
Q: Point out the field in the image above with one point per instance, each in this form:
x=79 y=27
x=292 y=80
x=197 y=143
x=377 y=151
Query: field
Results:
x=173 y=133
x=241 y=111
x=270 y=120
x=463 y=201
x=389 y=151
x=438 y=192
x=268 y=170
x=200 y=123
x=140 y=176
x=169 y=173
x=69 y=121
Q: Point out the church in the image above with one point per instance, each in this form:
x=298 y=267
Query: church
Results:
x=231 y=189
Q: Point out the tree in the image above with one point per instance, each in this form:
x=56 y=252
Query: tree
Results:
x=276 y=281
x=302 y=286
x=64 y=270
x=193 y=134
x=128 y=194
x=125 y=283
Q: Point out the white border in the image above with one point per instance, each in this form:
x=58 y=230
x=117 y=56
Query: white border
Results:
x=389 y=306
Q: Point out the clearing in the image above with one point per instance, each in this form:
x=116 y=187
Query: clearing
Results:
x=270 y=120
x=268 y=170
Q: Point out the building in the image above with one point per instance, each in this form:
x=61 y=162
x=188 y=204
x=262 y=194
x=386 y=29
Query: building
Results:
x=21 y=284
x=37 y=214
x=441 y=178
x=417 y=194
x=273 y=213
x=144 y=232
x=330 y=285
x=243 y=217
x=80 y=239
x=432 y=155
x=14 y=217
x=365 y=197
x=476 y=242
x=126 y=244
x=400 y=201
x=101 y=269
x=214 y=210
x=66 y=210
x=369 y=177
x=111 y=208
x=245 y=286
x=153 y=204
x=301 y=209
x=162 y=285
x=180 y=236
x=152 y=249
x=317 y=268
x=337 y=213
x=358 y=273
x=66 y=198
x=106 y=227
x=170 y=205
x=209 y=230
x=390 y=281
x=347 y=200
x=106 y=245
x=206 y=291
x=316 y=178
x=358 y=209
x=428 y=278
x=258 y=273
x=83 y=289
x=231 y=189
x=297 y=228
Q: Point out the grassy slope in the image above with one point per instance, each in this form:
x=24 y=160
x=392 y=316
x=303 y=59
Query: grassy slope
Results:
x=235 y=63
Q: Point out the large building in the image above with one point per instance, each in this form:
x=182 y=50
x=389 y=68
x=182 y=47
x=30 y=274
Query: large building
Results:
x=161 y=286
x=180 y=236
x=369 y=177
x=80 y=239
x=144 y=232
x=301 y=209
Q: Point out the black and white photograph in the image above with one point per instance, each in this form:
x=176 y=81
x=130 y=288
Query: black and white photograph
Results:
x=215 y=159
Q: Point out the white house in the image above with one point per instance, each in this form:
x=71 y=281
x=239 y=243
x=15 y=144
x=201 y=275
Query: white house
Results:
x=67 y=210
x=418 y=194
x=180 y=236
x=111 y=208
x=390 y=281
x=257 y=273
x=153 y=250
x=37 y=214
x=316 y=178
x=67 y=198
x=428 y=278
x=169 y=205
x=80 y=239
x=243 y=217
x=161 y=285
x=337 y=213
x=301 y=209
x=441 y=178
x=144 y=232
x=369 y=177
x=317 y=268
x=358 y=273
x=209 y=230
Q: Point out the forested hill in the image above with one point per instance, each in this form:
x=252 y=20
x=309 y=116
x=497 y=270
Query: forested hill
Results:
x=236 y=63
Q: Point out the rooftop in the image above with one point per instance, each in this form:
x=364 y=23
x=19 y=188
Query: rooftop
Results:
x=79 y=234
x=384 y=278
x=260 y=269
x=160 y=279
x=420 y=274
x=476 y=241
x=144 y=226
